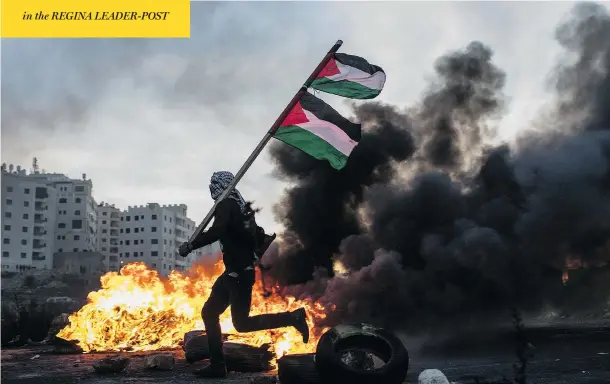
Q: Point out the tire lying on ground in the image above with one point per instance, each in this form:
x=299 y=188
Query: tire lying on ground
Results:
x=298 y=369
x=361 y=339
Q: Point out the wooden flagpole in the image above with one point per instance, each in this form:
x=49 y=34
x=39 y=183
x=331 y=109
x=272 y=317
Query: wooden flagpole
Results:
x=266 y=138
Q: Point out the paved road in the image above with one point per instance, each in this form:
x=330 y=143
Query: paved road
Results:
x=572 y=355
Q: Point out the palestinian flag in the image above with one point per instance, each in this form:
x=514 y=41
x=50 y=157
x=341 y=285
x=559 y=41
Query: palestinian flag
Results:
x=350 y=76
x=317 y=129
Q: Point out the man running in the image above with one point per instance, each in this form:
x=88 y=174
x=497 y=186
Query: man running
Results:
x=234 y=287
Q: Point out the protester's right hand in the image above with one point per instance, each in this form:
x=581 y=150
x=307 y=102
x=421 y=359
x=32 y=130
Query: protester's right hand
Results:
x=185 y=249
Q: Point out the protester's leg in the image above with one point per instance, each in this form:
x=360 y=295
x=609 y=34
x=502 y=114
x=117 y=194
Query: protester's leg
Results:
x=241 y=300
x=216 y=304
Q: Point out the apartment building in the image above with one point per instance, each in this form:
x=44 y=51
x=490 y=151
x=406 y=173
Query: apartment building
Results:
x=108 y=223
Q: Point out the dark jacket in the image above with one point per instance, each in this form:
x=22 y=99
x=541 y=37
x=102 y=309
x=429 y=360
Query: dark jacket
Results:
x=229 y=227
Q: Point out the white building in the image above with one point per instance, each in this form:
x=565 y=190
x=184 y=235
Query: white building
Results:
x=76 y=222
x=153 y=233
x=28 y=220
x=108 y=223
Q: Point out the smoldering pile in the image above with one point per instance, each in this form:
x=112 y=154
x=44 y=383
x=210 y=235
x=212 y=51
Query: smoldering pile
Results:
x=431 y=221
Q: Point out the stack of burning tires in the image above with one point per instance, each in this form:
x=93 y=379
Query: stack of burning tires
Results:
x=355 y=354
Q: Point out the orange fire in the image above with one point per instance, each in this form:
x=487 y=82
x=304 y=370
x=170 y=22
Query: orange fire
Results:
x=138 y=310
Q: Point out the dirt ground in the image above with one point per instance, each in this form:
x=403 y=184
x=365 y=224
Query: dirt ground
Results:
x=563 y=355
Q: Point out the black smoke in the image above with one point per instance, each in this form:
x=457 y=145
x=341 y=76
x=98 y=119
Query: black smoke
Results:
x=431 y=222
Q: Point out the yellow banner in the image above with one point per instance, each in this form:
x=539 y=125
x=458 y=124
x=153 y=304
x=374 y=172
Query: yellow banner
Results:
x=96 y=18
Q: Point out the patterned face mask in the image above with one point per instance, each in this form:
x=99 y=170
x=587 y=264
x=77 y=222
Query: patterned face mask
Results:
x=219 y=182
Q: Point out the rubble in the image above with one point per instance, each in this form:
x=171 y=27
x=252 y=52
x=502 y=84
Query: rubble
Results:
x=65 y=347
x=163 y=362
x=263 y=380
x=111 y=364
x=432 y=376
x=58 y=323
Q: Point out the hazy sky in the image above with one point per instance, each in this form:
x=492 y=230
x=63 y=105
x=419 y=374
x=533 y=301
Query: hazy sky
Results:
x=150 y=120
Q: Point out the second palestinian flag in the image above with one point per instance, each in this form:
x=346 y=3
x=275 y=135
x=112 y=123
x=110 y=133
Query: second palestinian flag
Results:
x=350 y=76
x=317 y=129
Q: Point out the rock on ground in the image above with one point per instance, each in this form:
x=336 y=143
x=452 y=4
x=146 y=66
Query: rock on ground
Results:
x=111 y=364
x=164 y=362
x=432 y=376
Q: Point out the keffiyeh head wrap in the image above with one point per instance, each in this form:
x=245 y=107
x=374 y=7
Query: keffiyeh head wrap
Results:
x=219 y=182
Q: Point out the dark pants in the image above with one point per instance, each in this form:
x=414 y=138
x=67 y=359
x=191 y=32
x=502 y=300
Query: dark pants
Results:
x=237 y=293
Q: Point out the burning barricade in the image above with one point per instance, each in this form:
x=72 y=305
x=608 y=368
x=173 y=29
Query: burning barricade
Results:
x=138 y=310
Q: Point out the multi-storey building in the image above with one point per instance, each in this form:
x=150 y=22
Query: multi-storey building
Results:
x=153 y=233
x=28 y=221
x=108 y=223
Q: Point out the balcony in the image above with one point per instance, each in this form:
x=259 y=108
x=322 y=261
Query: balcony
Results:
x=114 y=249
x=39 y=219
x=114 y=215
x=38 y=256
x=38 y=245
x=39 y=207
x=114 y=224
x=114 y=233
x=40 y=231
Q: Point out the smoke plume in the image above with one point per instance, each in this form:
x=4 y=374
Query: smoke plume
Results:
x=430 y=222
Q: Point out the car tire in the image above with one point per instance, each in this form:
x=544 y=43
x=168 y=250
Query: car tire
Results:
x=298 y=369
x=382 y=343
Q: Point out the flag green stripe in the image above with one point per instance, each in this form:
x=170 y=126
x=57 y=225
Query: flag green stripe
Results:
x=311 y=144
x=345 y=88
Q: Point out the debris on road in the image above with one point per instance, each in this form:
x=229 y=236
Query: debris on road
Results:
x=298 y=369
x=111 y=364
x=263 y=380
x=195 y=346
x=65 y=347
x=163 y=362
x=432 y=376
x=246 y=358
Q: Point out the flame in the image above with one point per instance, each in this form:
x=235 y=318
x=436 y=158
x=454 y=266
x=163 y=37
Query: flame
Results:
x=138 y=310
x=339 y=268
x=565 y=277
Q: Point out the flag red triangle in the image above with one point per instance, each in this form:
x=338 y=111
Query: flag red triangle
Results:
x=295 y=117
x=330 y=69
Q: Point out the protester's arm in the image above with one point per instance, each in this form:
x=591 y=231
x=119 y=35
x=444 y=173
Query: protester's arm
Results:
x=222 y=216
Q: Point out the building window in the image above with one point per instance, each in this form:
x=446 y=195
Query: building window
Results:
x=77 y=224
x=9 y=189
x=24 y=229
x=6 y=241
x=103 y=221
x=79 y=188
x=7 y=227
x=76 y=237
x=63 y=200
x=136 y=218
x=63 y=237
x=128 y=218
x=9 y=202
x=126 y=242
x=7 y=215
x=154 y=265
x=154 y=241
x=60 y=250
x=26 y=203
x=154 y=217
x=121 y=230
x=25 y=216
x=104 y=231
x=24 y=242
x=104 y=240
x=121 y=218
x=5 y=254
x=153 y=229
x=77 y=213
x=104 y=213
x=165 y=230
x=126 y=254
x=170 y=231
x=165 y=241
x=23 y=255
x=77 y=200
x=26 y=191
x=58 y=237
x=127 y=230
x=136 y=230
x=61 y=225
x=142 y=253
x=75 y=250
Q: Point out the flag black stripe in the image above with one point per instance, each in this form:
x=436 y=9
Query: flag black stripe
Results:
x=357 y=62
x=325 y=112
